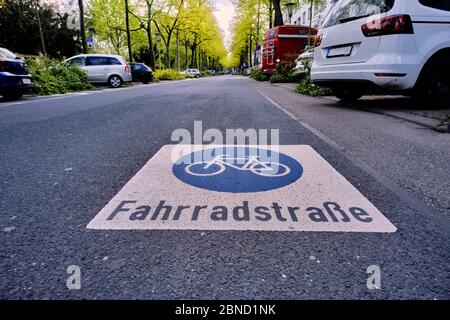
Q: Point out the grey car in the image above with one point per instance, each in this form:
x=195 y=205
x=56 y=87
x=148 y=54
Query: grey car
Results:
x=103 y=68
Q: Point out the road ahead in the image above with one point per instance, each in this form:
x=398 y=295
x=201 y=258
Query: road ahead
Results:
x=64 y=158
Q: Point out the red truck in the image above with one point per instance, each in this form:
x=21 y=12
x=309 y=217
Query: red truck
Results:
x=284 y=43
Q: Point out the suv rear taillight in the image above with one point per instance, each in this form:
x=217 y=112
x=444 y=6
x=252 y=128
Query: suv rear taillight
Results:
x=399 y=24
x=127 y=68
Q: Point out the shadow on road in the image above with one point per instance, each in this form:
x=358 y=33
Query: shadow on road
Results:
x=399 y=105
x=394 y=103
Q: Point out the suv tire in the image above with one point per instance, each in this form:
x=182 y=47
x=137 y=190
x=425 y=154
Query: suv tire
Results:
x=115 y=81
x=12 y=95
x=434 y=83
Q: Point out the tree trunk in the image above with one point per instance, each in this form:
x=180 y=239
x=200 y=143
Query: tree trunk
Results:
x=168 y=54
x=258 y=27
x=149 y=35
x=250 y=53
x=193 y=53
x=310 y=21
x=41 y=34
x=186 y=52
x=127 y=22
x=82 y=27
x=270 y=14
x=278 y=14
x=178 y=51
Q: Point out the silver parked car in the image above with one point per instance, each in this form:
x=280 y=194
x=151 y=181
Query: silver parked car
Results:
x=103 y=68
x=192 y=72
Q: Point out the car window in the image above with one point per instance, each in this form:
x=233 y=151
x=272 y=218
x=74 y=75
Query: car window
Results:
x=76 y=62
x=96 y=61
x=112 y=61
x=348 y=10
x=437 y=4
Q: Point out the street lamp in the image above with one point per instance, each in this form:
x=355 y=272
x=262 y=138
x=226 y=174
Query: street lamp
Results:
x=290 y=8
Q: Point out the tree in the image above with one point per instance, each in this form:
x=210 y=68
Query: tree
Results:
x=188 y=24
x=127 y=26
x=82 y=25
x=278 y=15
x=19 y=29
x=312 y=4
x=168 y=22
x=248 y=30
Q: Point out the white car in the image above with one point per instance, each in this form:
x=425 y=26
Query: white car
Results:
x=400 y=45
x=103 y=68
x=303 y=61
x=192 y=72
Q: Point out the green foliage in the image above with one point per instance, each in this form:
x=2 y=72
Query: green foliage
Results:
x=169 y=74
x=280 y=78
x=51 y=77
x=19 y=29
x=205 y=73
x=307 y=87
x=258 y=75
x=284 y=74
x=176 y=30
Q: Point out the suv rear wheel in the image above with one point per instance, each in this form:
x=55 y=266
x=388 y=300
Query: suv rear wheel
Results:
x=347 y=95
x=115 y=81
x=434 y=83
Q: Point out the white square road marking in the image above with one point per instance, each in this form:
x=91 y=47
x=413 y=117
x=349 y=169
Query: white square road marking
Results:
x=299 y=192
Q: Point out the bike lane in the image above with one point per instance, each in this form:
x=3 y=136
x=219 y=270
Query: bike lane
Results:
x=67 y=224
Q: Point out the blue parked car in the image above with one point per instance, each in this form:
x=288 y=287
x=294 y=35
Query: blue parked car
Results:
x=15 y=79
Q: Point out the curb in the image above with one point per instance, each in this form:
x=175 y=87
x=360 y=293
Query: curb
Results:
x=429 y=123
x=432 y=124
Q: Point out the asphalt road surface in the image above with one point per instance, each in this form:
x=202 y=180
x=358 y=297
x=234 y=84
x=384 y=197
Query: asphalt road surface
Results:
x=63 y=158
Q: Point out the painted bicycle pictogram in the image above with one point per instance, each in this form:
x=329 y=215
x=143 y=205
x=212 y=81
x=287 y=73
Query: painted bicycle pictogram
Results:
x=253 y=164
x=237 y=169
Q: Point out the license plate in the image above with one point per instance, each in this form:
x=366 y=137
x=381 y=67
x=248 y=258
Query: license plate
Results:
x=339 y=52
x=26 y=81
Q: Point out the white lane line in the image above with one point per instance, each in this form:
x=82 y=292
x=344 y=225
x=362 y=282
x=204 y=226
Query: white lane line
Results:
x=304 y=124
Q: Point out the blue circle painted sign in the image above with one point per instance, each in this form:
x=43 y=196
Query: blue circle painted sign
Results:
x=237 y=169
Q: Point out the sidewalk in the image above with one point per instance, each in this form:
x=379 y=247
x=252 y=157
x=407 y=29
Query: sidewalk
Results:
x=409 y=156
x=400 y=107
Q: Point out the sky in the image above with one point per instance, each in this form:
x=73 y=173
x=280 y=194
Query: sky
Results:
x=224 y=14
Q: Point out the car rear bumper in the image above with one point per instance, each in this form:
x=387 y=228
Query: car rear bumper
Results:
x=388 y=76
x=12 y=82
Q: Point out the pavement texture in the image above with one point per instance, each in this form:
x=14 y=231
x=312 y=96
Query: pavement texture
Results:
x=400 y=107
x=64 y=158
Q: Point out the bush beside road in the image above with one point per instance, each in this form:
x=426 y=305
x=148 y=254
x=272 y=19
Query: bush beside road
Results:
x=51 y=77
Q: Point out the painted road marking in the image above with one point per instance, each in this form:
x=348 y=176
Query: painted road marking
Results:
x=281 y=188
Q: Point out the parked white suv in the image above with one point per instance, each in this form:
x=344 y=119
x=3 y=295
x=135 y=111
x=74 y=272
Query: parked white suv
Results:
x=103 y=68
x=399 y=45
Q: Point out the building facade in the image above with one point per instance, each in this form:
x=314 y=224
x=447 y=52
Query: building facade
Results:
x=301 y=15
